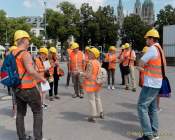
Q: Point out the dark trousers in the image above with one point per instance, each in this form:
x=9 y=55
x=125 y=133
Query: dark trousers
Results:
x=111 y=73
x=32 y=98
x=77 y=84
x=68 y=78
x=122 y=74
x=54 y=86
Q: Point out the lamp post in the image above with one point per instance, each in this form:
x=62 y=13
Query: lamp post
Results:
x=45 y=22
x=6 y=34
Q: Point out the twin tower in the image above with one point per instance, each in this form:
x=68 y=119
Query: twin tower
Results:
x=145 y=11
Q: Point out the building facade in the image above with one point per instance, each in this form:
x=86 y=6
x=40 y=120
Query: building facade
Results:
x=37 y=24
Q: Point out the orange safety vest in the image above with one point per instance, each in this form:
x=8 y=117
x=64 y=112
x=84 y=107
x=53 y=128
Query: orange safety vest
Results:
x=86 y=58
x=27 y=80
x=112 y=59
x=153 y=66
x=127 y=55
x=90 y=85
x=39 y=67
x=69 y=51
x=77 y=61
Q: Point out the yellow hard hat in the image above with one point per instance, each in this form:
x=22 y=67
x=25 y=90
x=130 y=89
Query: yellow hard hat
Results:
x=21 y=34
x=43 y=50
x=74 y=45
x=112 y=48
x=95 y=51
x=53 y=50
x=145 y=49
x=123 y=47
x=12 y=48
x=127 y=45
x=87 y=48
x=152 y=33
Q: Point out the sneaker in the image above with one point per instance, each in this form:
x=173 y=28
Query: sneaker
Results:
x=74 y=96
x=81 y=96
x=156 y=136
x=109 y=87
x=91 y=119
x=159 y=110
x=146 y=138
x=29 y=138
x=134 y=89
x=102 y=115
x=14 y=116
x=44 y=106
x=57 y=97
x=126 y=88
x=112 y=87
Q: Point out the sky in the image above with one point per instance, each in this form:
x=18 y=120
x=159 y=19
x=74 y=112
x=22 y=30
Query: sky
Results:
x=16 y=8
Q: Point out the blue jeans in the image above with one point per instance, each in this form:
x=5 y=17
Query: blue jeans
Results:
x=147 y=110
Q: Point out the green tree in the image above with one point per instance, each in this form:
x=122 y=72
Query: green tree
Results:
x=3 y=27
x=17 y=24
x=108 y=26
x=166 y=16
x=133 y=31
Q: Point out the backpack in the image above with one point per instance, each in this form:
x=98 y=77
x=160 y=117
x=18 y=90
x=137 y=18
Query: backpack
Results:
x=9 y=71
x=101 y=76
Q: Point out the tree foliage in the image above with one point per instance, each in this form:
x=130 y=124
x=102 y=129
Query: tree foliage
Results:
x=165 y=16
x=133 y=31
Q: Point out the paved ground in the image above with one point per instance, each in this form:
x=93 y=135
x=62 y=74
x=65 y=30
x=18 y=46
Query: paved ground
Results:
x=66 y=119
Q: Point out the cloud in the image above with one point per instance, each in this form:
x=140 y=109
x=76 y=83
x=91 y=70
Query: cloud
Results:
x=27 y=3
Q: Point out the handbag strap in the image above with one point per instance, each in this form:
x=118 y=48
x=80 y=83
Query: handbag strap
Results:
x=162 y=62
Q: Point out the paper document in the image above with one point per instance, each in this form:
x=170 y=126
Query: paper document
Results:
x=45 y=86
x=46 y=65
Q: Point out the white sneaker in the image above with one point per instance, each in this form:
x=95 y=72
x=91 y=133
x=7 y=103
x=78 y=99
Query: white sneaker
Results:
x=159 y=110
x=112 y=87
x=109 y=87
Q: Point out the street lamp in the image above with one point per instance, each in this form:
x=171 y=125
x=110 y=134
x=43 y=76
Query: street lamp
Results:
x=45 y=22
x=6 y=34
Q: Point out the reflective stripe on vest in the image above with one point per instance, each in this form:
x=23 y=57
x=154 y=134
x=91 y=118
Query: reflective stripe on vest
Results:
x=27 y=81
x=153 y=67
x=76 y=61
x=90 y=84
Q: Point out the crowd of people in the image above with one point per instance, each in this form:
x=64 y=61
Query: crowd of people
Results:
x=84 y=69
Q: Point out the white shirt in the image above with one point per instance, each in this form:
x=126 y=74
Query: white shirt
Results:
x=151 y=81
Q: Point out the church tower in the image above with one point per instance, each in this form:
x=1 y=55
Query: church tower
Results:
x=120 y=14
x=148 y=12
x=138 y=8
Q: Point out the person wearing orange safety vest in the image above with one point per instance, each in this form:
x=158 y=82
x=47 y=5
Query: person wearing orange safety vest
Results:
x=39 y=66
x=129 y=57
x=91 y=87
x=27 y=93
x=120 y=64
x=54 y=73
x=147 y=102
x=77 y=65
x=111 y=57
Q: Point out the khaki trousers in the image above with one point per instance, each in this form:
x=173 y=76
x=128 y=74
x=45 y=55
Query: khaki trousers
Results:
x=76 y=80
x=95 y=104
x=132 y=76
